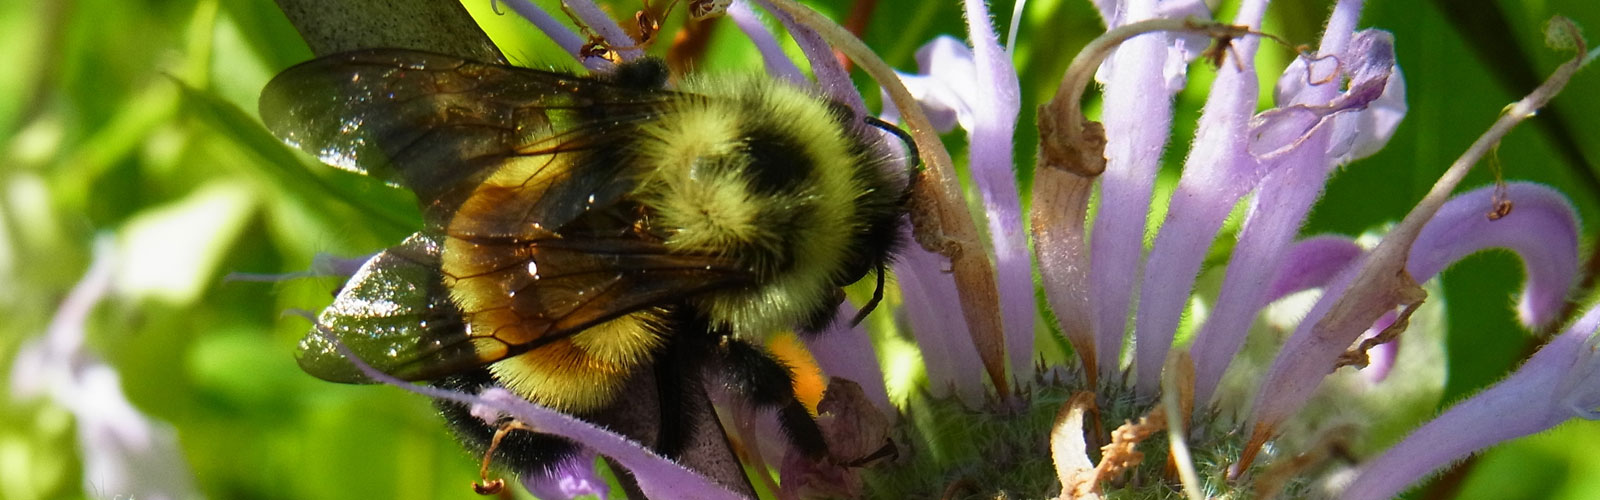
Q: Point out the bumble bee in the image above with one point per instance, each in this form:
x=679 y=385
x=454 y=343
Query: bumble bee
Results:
x=585 y=236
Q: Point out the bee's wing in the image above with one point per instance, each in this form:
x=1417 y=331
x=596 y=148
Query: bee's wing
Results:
x=433 y=123
x=393 y=313
x=404 y=316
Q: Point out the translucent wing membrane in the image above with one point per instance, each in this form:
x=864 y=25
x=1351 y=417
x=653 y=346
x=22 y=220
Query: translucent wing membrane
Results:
x=432 y=122
x=395 y=316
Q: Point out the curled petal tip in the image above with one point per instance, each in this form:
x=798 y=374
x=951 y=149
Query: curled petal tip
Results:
x=1542 y=229
x=1364 y=108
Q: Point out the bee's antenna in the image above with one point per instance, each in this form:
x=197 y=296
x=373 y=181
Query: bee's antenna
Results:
x=877 y=293
x=911 y=145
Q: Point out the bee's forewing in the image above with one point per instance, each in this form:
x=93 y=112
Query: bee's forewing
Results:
x=434 y=123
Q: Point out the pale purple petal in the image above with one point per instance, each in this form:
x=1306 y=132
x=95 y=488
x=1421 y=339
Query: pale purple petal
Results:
x=1185 y=47
x=1308 y=264
x=831 y=76
x=1297 y=78
x=990 y=140
x=757 y=429
x=1368 y=64
x=607 y=28
x=1306 y=357
x=1368 y=131
x=1179 y=54
x=1110 y=12
x=1559 y=382
x=1381 y=357
x=1180 y=48
x=846 y=351
x=1188 y=46
x=321 y=265
x=33 y=369
x=1137 y=116
x=937 y=100
x=949 y=88
x=944 y=85
x=1217 y=173
x=1341 y=27
x=932 y=309
x=573 y=477
x=1381 y=283
x=1311 y=263
x=951 y=63
x=1296 y=174
x=1275 y=216
x=1541 y=228
x=657 y=476
x=45 y=366
x=122 y=449
x=563 y=36
x=778 y=64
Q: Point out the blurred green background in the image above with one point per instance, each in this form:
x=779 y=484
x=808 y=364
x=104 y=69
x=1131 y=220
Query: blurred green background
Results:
x=135 y=121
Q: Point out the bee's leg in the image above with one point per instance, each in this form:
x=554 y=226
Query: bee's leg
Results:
x=689 y=431
x=676 y=379
x=523 y=452
x=765 y=382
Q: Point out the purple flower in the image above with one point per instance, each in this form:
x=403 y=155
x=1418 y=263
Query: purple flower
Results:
x=1332 y=107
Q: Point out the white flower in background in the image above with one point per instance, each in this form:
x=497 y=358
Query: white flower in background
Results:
x=125 y=453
